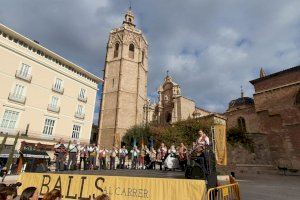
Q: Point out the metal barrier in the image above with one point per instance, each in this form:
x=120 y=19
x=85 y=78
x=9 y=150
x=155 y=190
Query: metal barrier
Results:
x=225 y=192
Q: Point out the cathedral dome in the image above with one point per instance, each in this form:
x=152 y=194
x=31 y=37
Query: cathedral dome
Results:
x=241 y=101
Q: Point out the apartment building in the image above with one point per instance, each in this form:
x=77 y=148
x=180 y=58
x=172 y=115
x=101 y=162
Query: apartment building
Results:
x=43 y=96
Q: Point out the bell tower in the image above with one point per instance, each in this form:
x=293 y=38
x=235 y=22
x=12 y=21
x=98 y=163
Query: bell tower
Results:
x=125 y=82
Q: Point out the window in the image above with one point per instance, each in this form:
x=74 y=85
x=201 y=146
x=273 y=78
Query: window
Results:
x=113 y=83
x=116 y=50
x=24 y=72
x=242 y=124
x=49 y=126
x=76 y=131
x=58 y=84
x=131 y=51
x=143 y=57
x=18 y=92
x=9 y=119
x=168 y=117
x=80 y=110
x=54 y=102
x=82 y=93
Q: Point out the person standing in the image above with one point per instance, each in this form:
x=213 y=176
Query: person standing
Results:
x=162 y=154
x=182 y=156
x=142 y=157
x=93 y=151
x=171 y=161
x=123 y=152
x=83 y=157
x=102 y=158
x=152 y=155
x=73 y=152
x=113 y=155
x=134 y=157
x=60 y=153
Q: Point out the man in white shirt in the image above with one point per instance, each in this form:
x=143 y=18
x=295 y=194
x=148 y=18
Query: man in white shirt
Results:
x=113 y=155
x=102 y=158
x=134 y=157
x=122 y=155
x=73 y=151
x=93 y=151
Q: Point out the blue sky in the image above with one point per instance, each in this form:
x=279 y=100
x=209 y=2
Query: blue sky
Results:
x=210 y=47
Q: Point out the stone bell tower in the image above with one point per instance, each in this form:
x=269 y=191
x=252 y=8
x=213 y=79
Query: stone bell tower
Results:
x=125 y=82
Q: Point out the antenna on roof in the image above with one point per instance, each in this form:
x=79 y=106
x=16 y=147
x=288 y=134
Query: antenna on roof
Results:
x=129 y=4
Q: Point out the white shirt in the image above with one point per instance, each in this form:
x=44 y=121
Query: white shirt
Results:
x=135 y=152
x=73 y=148
x=123 y=152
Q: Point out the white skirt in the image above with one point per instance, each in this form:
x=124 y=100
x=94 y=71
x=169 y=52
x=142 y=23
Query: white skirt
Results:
x=171 y=162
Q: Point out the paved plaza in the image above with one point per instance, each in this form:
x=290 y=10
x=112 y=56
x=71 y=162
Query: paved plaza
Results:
x=269 y=187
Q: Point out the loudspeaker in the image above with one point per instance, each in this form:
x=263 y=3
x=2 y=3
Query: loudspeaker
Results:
x=195 y=170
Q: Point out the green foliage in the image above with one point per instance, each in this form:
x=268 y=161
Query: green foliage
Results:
x=3 y=142
x=183 y=131
x=11 y=155
x=237 y=136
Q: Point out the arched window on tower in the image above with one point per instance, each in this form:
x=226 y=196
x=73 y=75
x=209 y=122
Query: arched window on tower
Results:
x=131 y=51
x=143 y=57
x=116 y=50
x=242 y=124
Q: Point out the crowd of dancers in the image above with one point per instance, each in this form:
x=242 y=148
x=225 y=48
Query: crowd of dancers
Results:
x=90 y=157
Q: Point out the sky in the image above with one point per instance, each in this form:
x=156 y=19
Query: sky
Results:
x=210 y=47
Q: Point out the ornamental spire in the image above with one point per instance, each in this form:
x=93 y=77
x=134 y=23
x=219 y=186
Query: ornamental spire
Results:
x=262 y=73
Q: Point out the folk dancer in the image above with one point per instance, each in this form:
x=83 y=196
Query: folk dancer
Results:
x=60 y=153
x=182 y=156
x=123 y=152
x=102 y=158
x=142 y=157
x=171 y=161
x=152 y=155
x=162 y=154
x=93 y=151
x=134 y=157
x=83 y=157
x=113 y=155
x=73 y=152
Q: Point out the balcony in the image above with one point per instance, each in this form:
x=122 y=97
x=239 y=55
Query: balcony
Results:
x=53 y=108
x=22 y=76
x=17 y=98
x=79 y=115
x=83 y=99
x=58 y=90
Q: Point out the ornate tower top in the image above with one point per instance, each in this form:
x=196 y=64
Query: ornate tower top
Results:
x=262 y=73
x=242 y=92
x=129 y=18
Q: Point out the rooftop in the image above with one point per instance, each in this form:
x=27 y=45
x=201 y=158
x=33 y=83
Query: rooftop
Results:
x=296 y=68
x=46 y=53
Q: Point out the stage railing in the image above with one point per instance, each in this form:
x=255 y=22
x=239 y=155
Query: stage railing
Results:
x=224 y=192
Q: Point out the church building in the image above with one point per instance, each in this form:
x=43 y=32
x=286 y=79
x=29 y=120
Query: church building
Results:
x=172 y=106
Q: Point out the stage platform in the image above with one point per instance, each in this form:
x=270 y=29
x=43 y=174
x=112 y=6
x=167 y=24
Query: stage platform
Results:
x=129 y=173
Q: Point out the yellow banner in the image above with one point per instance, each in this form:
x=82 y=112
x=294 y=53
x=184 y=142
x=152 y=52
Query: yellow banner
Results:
x=220 y=144
x=87 y=187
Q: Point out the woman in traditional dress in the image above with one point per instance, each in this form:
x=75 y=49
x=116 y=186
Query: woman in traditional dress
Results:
x=182 y=156
x=171 y=161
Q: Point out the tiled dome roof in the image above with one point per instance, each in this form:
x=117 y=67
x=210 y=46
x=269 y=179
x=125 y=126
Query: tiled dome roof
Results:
x=241 y=101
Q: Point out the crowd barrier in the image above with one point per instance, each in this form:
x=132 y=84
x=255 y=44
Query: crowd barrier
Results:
x=225 y=192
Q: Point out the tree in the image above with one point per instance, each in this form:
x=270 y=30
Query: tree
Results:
x=3 y=142
x=11 y=155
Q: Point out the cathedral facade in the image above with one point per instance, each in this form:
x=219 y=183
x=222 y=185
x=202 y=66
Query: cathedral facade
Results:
x=172 y=106
x=125 y=82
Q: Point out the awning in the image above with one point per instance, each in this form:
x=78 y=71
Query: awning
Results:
x=35 y=154
x=5 y=153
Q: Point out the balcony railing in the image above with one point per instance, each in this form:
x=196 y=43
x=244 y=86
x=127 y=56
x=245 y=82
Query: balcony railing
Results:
x=53 y=108
x=79 y=115
x=17 y=98
x=83 y=99
x=58 y=90
x=25 y=77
